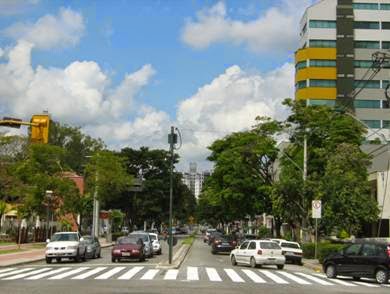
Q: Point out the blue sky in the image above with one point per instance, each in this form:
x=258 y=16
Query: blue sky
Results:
x=200 y=65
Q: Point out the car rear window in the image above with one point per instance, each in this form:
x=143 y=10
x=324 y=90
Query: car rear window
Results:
x=128 y=240
x=141 y=236
x=64 y=237
x=290 y=245
x=269 y=245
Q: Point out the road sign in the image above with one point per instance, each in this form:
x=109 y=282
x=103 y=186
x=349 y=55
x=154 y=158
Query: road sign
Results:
x=316 y=208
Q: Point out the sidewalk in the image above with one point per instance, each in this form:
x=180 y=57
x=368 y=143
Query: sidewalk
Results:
x=28 y=254
x=312 y=264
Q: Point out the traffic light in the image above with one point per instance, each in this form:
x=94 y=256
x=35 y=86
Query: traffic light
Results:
x=11 y=122
x=40 y=128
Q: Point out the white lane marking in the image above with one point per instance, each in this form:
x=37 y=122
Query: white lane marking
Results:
x=131 y=273
x=213 y=274
x=6 y=270
x=294 y=278
x=67 y=274
x=89 y=273
x=254 y=277
x=367 y=284
x=337 y=281
x=56 y=271
x=16 y=272
x=233 y=275
x=192 y=273
x=314 y=279
x=19 y=276
x=171 y=274
x=150 y=274
x=110 y=273
x=273 y=277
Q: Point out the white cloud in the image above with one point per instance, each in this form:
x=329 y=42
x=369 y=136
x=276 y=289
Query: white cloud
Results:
x=275 y=30
x=62 y=30
x=11 y=7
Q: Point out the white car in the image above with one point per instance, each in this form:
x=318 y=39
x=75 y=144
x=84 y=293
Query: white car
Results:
x=155 y=243
x=292 y=251
x=258 y=252
x=65 y=245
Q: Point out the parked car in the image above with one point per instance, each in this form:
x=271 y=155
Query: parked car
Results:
x=65 y=245
x=223 y=244
x=258 y=252
x=207 y=235
x=292 y=251
x=156 y=243
x=213 y=235
x=148 y=244
x=130 y=247
x=369 y=259
x=94 y=249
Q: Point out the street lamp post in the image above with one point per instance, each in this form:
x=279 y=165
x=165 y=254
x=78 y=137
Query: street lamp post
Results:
x=172 y=140
x=48 y=195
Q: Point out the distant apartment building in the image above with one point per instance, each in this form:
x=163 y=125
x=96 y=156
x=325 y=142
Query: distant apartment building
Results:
x=194 y=180
x=337 y=41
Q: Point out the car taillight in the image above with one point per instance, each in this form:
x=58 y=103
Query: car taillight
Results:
x=388 y=251
x=259 y=252
x=298 y=253
x=217 y=241
x=135 y=251
x=234 y=243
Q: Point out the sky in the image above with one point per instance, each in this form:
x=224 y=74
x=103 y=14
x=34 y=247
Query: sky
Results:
x=126 y=71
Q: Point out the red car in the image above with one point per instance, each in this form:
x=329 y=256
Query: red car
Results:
x=130 y=247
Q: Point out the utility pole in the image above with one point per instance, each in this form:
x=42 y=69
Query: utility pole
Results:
x=172 y=140
x=95 y=213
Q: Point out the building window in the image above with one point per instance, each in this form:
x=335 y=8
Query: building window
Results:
x=322 y=24
x=322 y=83
x=362 y=63
x=322 y=63
x=367 y=84
x=384 y=84
x=385 y=6
x=386 y=124
x=385 y=25
x=365 y=6
x=321 y=102
x=300 y=65
x=322 y=43
x=367 y=25
x=367 y=44
x=367 y=103
x=373 y=124
x=301 y=84
x=385 y=45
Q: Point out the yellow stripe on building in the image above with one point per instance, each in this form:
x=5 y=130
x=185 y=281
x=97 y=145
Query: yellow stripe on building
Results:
x=316 y=93
x=315 y=53
x=316 y=73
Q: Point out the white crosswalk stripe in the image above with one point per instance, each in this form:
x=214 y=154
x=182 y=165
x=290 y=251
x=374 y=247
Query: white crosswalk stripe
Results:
x=6 y=269
x=254 y=277
x=110 y=273
x=213 y=275
x=273 y=277
x=20 y=276
x=192 y=273
x=171 y=274
x=67 y=274
x=131 y=273
x=18 y=271
x=337 y=281
x=233 y=275
x=150 y=274
x=367 y=284
x=294 y=278
x=89 y=273
x=50 y=273
x=317 y=280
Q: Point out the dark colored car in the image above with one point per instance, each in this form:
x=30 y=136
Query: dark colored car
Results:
x=130 y=247
x=212 y=237
x=368 y=259
x=223 y=244
x=94 y=249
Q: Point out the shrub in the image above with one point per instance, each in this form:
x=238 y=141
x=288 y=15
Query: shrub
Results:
x=324 y=249
x=343 y=234
x=308 y=250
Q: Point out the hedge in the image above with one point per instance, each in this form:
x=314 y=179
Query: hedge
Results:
x=324 y=249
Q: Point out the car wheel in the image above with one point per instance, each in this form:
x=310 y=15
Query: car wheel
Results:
x=85 y=256
x=213 y=252
x=253 y=262
x=100 y=253
x=280 y=266
x=382 y=276
x=48 y=260
x=356 y=278
x=94 y=254
x=113 y=259
x=77 y=258
x=58 y=260
x=233 y=260
x=330 y=271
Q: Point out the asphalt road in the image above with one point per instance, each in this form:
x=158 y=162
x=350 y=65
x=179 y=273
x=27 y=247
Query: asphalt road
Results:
x=201 y=272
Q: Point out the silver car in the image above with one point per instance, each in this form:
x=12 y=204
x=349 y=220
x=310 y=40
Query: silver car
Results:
x=148 y=243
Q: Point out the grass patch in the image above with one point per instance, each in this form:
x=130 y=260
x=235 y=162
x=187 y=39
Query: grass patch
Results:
x=37 y=246
x=188 y=241
x=6 y=243
x=11 y=251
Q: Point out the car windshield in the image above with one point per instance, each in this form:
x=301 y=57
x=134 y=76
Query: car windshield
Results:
x=64 y=237
x=144 y=237
x=88 y=239
x=269 y=245
x=153 y=237
x=129 y=240
x=290 y=245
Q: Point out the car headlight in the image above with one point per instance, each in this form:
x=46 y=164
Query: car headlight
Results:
x=72 y=247
x=117 y=251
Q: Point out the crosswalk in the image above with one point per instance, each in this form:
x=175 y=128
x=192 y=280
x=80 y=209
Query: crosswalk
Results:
x=190 y=273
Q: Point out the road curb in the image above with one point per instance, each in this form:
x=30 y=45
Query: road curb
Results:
x=316 y=267
x=177 y=259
